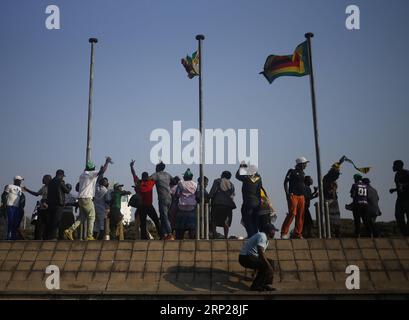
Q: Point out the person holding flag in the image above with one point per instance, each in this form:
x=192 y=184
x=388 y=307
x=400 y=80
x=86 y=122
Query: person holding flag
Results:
x=330 y=188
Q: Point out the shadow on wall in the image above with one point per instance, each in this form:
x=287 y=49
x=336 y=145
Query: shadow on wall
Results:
x=205 y=279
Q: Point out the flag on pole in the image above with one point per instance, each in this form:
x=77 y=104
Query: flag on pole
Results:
x=296 y=64
x=363 y=170
x=191 y=65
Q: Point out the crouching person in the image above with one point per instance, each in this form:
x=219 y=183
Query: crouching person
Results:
x=252 y=256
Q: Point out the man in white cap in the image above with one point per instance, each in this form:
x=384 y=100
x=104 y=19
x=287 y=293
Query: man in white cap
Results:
x=86 y=193
x=14 y=200
x=294 y=188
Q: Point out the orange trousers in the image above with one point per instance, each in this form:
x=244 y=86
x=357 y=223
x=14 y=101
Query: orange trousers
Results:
x=297 y=210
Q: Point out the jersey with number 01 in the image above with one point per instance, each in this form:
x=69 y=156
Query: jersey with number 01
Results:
x=360 y=193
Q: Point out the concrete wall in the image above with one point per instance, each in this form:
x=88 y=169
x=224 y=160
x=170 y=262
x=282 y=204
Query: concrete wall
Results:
x=210 y=268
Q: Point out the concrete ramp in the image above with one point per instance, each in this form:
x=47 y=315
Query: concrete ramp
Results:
x=201 y=269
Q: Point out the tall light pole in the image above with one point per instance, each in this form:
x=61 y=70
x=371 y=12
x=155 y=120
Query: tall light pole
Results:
x=93 y=41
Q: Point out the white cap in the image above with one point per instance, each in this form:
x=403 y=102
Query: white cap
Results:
x=301 y=160
x=18 y=178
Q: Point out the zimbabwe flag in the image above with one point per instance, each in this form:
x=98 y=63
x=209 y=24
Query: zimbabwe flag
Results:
x=296 y=64
x=191 y=65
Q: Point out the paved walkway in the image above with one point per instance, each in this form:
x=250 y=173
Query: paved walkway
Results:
x=201 y=268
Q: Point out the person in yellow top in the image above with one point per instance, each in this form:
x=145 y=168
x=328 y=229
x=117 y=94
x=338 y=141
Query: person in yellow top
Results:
x=266 y=210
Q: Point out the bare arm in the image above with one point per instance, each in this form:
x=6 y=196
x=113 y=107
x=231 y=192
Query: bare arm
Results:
x=263 y=258
x=238 y=176
x=286 y=188
x=134 y=176
x=125 y=193
x=33 y=193
x=286 y=182
x=105 y=166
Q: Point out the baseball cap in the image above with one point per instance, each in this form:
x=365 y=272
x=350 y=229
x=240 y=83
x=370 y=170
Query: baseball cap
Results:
x=117 y=185
x=301 y=160
x=18 y=178
x=90 y=166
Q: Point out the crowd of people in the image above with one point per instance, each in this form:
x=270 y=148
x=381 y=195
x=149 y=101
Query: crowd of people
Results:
x=179 y=197
x=297 y=186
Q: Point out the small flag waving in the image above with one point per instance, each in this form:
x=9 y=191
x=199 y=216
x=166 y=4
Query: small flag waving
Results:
x=296 y=64
x=363 y=170
x=191 y=65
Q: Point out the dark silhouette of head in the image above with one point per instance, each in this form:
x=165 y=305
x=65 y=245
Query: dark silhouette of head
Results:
x=301 y=166
x=17 y=180
x=104 y=182
x=226 y=175
x=336 y=166
x=145 y=176
x=301 y=163
x=174 y=181
x=269 y=230
x=60 y=173
x=118 y=187
x=308 y=181
x=46 y=179
x=357 y=178
x=397 y=165
x=160 y=167
x=206 y=181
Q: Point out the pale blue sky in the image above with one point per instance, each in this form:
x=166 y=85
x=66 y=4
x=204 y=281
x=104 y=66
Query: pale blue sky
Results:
x=140 y=85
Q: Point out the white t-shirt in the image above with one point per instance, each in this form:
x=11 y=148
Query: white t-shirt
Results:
x=101 y=199
x=250 y=246
x=13 y=195
x=88 y=180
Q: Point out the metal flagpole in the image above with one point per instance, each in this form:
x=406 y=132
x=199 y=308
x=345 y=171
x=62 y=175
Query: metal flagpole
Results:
x=93 y=41
x=200 y=38
x=308 y=36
